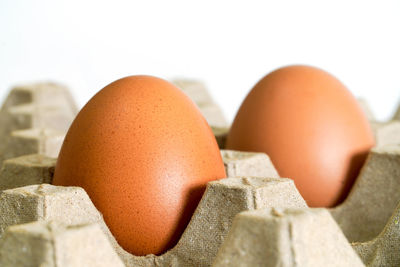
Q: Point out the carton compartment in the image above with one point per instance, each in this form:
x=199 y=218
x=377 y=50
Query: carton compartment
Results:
x=252 y=218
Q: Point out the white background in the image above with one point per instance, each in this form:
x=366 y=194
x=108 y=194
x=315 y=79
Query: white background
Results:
x=229 y=45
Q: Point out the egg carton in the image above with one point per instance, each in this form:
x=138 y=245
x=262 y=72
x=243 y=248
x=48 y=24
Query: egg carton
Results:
x=252 y=218
x=34 y=119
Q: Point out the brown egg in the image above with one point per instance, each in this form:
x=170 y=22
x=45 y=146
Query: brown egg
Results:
x=312 y=128
x=144 y=153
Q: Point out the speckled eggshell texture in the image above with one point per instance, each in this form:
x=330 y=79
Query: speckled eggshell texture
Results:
x=144 y=153
x=312 y=128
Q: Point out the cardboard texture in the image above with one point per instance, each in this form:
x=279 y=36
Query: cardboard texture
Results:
x=386 y=133
x=70 y=205
x=384 y=249
x=26 y=170
x=238 y=164
x=33 y=121
x=198 y=245
x=374 y=196
x=51 y=244
x=44 y=202
x=286 y=237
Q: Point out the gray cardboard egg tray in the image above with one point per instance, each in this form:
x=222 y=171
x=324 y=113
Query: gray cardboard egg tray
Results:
x=252 y=218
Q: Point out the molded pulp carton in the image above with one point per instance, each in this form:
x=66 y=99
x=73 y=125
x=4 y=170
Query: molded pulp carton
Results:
x=252 y=218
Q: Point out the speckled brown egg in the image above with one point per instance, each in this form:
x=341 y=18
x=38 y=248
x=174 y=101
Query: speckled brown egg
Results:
x=144 y=153
x=312 y=128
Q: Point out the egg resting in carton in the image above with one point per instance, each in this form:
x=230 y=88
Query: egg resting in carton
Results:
x=46 y=225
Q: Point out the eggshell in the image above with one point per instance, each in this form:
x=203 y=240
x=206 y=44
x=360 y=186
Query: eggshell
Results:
x=312 y=128
x=144 y=153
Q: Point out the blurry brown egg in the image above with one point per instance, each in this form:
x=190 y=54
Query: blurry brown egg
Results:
x=312 y=128
x=144 y=153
